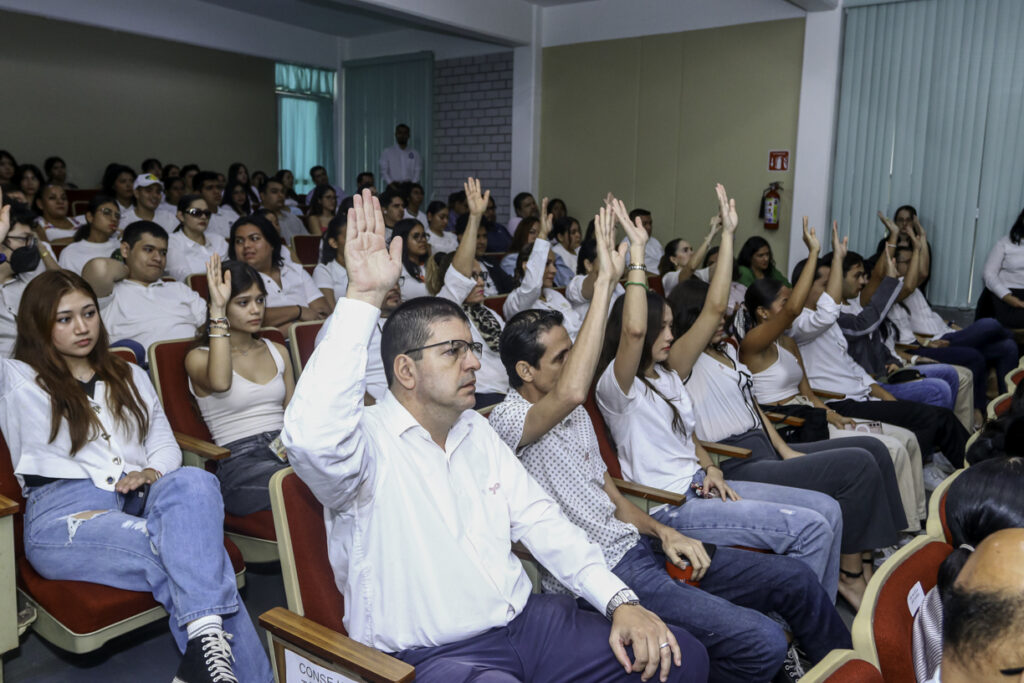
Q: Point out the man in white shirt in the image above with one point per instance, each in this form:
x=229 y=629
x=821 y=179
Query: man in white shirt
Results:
x=148 y=197
x=393 y=206
x=318 y=174
x=272 y=199
x=135 y=304
x=543 y=420
x=400 y=162
x=207 y=185
x=524 y=205
x=423 y=501
x=653 y=251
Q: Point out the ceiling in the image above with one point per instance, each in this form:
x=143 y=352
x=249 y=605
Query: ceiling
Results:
x=324 y=16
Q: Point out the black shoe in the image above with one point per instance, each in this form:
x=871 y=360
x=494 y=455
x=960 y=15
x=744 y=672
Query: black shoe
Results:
x=207 y=660
x=792 y=668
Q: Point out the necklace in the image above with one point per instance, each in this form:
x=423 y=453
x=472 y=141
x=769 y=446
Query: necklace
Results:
x=245 y=352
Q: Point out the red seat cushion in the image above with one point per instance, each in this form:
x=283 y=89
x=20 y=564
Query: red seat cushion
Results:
x=855 y=671
x=85 y=607
x=305 y=336
x=258 y=524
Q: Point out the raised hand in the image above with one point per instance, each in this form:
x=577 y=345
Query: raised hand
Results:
x=220 y=287
x=372 y=268
x=5 y=219
x=919 y=229
x=546 y=220
x=839 y=247
x=715 y=225
x=890 y=227
x=727 y=210
x=811 y=239
x=477 y=202
x=634 y=229
x=611 y=261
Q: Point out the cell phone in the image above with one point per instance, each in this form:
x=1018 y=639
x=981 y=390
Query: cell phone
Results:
x=135 y=501
x=685 y=574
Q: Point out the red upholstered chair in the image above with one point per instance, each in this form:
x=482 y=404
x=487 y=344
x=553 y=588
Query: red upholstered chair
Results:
x=309 y=268
x=302 y=341
x=253 y=533
x=76 y=616
x=307 y=249
x=937 y=527
x=199 y=285
x=56 y=249
x=654 y=282
x=496 y=304
x=125 y=353
x=843 y=666
x=1000 y=405
x=882 y=628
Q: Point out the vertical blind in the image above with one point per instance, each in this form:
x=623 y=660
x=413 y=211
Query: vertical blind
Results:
x=380 y=94
x=305 y=119
x=930 y=115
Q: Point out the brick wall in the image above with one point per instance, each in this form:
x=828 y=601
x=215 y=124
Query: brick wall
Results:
x=473 y=126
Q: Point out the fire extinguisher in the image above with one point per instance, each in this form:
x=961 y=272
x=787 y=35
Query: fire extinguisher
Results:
x=770 y=206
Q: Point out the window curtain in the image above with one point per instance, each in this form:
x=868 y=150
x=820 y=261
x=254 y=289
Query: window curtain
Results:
x=305 y=119
x=380 y=94
x=930 y=115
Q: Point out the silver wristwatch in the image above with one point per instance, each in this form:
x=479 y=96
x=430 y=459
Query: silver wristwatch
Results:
x=623 y=597
x=636 y=266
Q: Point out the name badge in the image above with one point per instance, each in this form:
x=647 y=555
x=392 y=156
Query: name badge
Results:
x=298 y=669
x=277 y=446
x=914 y=598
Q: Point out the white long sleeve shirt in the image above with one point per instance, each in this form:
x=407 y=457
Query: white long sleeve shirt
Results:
x=25 y=422
x=527 y=294
x=824 y=349
x=420 y=536
x=1004 y=267
x=397 y=164
x=491 y=378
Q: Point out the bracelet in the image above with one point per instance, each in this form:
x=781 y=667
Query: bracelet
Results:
x=219 y=320
x=298 y=315
x=220 y=336
x=709 y=467
x=627 y=283
x=636 y=266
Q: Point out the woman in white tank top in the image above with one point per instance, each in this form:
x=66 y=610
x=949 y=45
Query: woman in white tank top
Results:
x=242 y=384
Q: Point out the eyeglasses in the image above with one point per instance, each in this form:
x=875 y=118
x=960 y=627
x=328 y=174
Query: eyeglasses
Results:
x=111 y=213
x=196 y=213
x=480 y=275
x=26 y=240
x=418 y=236
x=456 y=348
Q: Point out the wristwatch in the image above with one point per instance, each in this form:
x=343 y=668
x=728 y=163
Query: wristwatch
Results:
x=636 y=266
x=623 y=597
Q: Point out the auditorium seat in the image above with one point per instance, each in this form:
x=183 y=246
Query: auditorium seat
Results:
x=496 y=304
x=843 y=666
x=307 y=249
x=937 y=527
x=301 y=342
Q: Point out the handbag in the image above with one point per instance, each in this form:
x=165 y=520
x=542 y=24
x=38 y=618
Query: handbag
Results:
x=904 y=375
x=814 y=428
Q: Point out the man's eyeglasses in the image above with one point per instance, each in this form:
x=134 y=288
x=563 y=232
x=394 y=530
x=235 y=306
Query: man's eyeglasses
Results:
x=456 y=348
x=197 y=213
x=481 y=275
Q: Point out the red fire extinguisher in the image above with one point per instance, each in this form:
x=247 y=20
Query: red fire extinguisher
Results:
x=770 y=206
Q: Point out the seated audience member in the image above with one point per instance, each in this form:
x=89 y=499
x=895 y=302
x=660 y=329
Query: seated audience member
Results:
x=258 y=181
x=323 y=206
x=207 y=186
x=8 y=167
x=61 y=392
x=440 y=239
x=394 y=208
x=57 y=173
x=496 y=280
x=525 y=206
x=736 y=290
x=983 y=624
x=190 y=248
x=412 y=195
x=318 y=174
x=118 y=181
x=462 y=282
x=755 y=261
x=780 y=385
x=240 y=172
x=235 y=203
x=526 y=233
x=329 y=275
x=291 y=294
x=174 y=190
x=29 y=179
x=535 y=275
x=136 y=304
x=188 y=174
x=415 y=252
x=242 y=384
x=170 y=171
x=152 y=166
x=23 y=261
x=654 y=249
x=457 y=207
x=365 y=181
x=543 y=421
x=557 y=208
x=1004 y=276
x=148 y=191
x=98 y=237
x=581 y=287
x=51 y=202
x=907 y=224
x=829 y=367
x=680 y=261
x=291 y=197
x=498 y=237
x=565 y=241
x=981 y=501
x=1003 y=435
x=338 y=448
x=272 y=199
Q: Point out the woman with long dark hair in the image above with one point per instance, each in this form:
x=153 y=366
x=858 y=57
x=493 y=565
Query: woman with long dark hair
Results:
x=107 y=500
x=191 y=245
x=323 y=206
x=755 y=261
x=97 y=237
x=330 y=275
x=415 y=252
x=118 y=182
x=1004 y=276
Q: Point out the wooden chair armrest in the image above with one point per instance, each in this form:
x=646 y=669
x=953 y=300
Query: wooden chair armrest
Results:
x=649 y=493
x=335 y=648
x=791 y=420
x=722 y=449
x=204 y=449
x=7 y=506
x=905 y=347
x=828 y=395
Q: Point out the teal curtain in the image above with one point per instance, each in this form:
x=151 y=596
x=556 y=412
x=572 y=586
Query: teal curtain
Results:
x=305 y=119
x=929 y=114
x=380 y=94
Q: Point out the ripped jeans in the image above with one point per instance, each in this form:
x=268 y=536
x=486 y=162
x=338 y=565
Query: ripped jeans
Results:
x=75 y=531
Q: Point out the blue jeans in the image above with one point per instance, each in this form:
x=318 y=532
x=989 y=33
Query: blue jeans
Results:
x=788 y=521
x=933 y=390
x=245 y=476
x=994 y=342
x=175 y=551
x=726 y=613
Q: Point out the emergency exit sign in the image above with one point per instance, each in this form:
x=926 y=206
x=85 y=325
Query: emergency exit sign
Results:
x=778 y=160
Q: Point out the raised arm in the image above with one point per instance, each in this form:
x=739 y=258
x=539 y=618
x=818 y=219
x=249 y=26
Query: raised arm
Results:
x=102 y=273
x=687 y=349
x=211 y=370
x=634 y=306
x=697 y=257
x=323 y=422
x=913 y=278
x=573 y=384
x=834 y=286
x=882 y=268
x=764 y=334
x=925 y=266
x=464 y=260
x=529 y=290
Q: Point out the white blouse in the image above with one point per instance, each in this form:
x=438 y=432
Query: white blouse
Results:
x=74 y=256
x=1004 y=267
x=722 y=395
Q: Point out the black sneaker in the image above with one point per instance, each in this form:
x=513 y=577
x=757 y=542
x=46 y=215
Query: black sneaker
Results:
x=207 y=660
x=792 y=668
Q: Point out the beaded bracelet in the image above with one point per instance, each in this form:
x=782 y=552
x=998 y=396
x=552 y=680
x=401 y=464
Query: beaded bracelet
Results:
x=638 y=284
